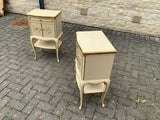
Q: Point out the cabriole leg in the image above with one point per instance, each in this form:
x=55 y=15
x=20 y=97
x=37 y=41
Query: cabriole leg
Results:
x=34 y=49
x=104 y=94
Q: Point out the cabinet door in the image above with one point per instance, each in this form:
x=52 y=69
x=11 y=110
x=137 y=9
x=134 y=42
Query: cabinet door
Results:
x=35 y=28
x=48 y=29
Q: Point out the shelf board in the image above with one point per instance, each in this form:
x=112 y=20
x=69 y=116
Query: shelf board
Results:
x=46 y=44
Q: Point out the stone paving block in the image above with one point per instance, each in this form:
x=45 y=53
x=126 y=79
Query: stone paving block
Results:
x=46 y=107
x=4 y=111
x=14 y=79
x=47 y=116
x=30 y=106
x=138 y=114
x=60 y=108
x=15 y=115
x=71 y=98
x=35 y=114
x=29 y=96
x=41 y=88
x=15 y=95
x=27 y=87
x=3 y=85
x=50 y=82
x=66 y=115
x=4 y=92
x=66 y=89
x=77 y=117
x=38 y=81
x=53 y=89
x=16 y=104
x=43 y=97
x=4 y=101
x=26 y=80
x=4 y=77
x=14 y=86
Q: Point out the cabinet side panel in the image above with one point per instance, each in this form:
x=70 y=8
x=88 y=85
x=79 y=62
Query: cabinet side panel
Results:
x=80 y=60
x=98 y=66
x=58 y=25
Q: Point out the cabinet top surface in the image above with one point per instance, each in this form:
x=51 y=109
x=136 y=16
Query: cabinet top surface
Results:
x=92 y=42
x=43 y=13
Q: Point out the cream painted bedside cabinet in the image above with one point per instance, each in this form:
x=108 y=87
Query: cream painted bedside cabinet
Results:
x=46 y=27
x=93 y=63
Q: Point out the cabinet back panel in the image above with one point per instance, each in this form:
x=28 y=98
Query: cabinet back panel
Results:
x=98 y=66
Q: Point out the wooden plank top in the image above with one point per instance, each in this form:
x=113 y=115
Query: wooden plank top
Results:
x=92 y=42
x=43 y=13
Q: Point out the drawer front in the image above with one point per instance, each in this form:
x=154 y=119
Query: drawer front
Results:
x=39 y=19
x=32 y=18
x=46 y=19
x=79 y=57
x=36 y=29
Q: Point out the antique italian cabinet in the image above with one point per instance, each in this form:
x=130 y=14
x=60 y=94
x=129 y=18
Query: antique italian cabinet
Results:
x=2 y=7
x=46 y=26
x=93 y=63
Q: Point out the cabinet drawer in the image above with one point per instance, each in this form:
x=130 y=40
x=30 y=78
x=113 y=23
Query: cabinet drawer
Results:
x=35 y=18
x=46 y=19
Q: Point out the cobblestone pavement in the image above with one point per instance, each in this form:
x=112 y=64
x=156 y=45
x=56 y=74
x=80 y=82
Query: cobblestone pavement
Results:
x=43 y=89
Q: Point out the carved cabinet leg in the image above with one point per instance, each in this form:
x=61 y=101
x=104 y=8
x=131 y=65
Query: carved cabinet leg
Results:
x=34 y=49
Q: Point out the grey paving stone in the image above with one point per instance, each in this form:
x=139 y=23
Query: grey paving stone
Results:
x=47 y=116
x=43 y=97
x=66 y=115
x=60 y=108
x=27 y=87
x=16 y=104
x=41 y=88
x=14 y=86
x=53 y=89
x=15 y=95
x=29 y=96
x=3 y=85
x=4 y=92
x=30 y=106
x=35 y=114
x=4 y=111
x=4 y=101
x=46 y=107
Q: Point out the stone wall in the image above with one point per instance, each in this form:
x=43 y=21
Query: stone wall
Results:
x=138 y=16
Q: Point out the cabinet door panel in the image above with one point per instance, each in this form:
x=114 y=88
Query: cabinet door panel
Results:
x=48 y=29
x=36 y=29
